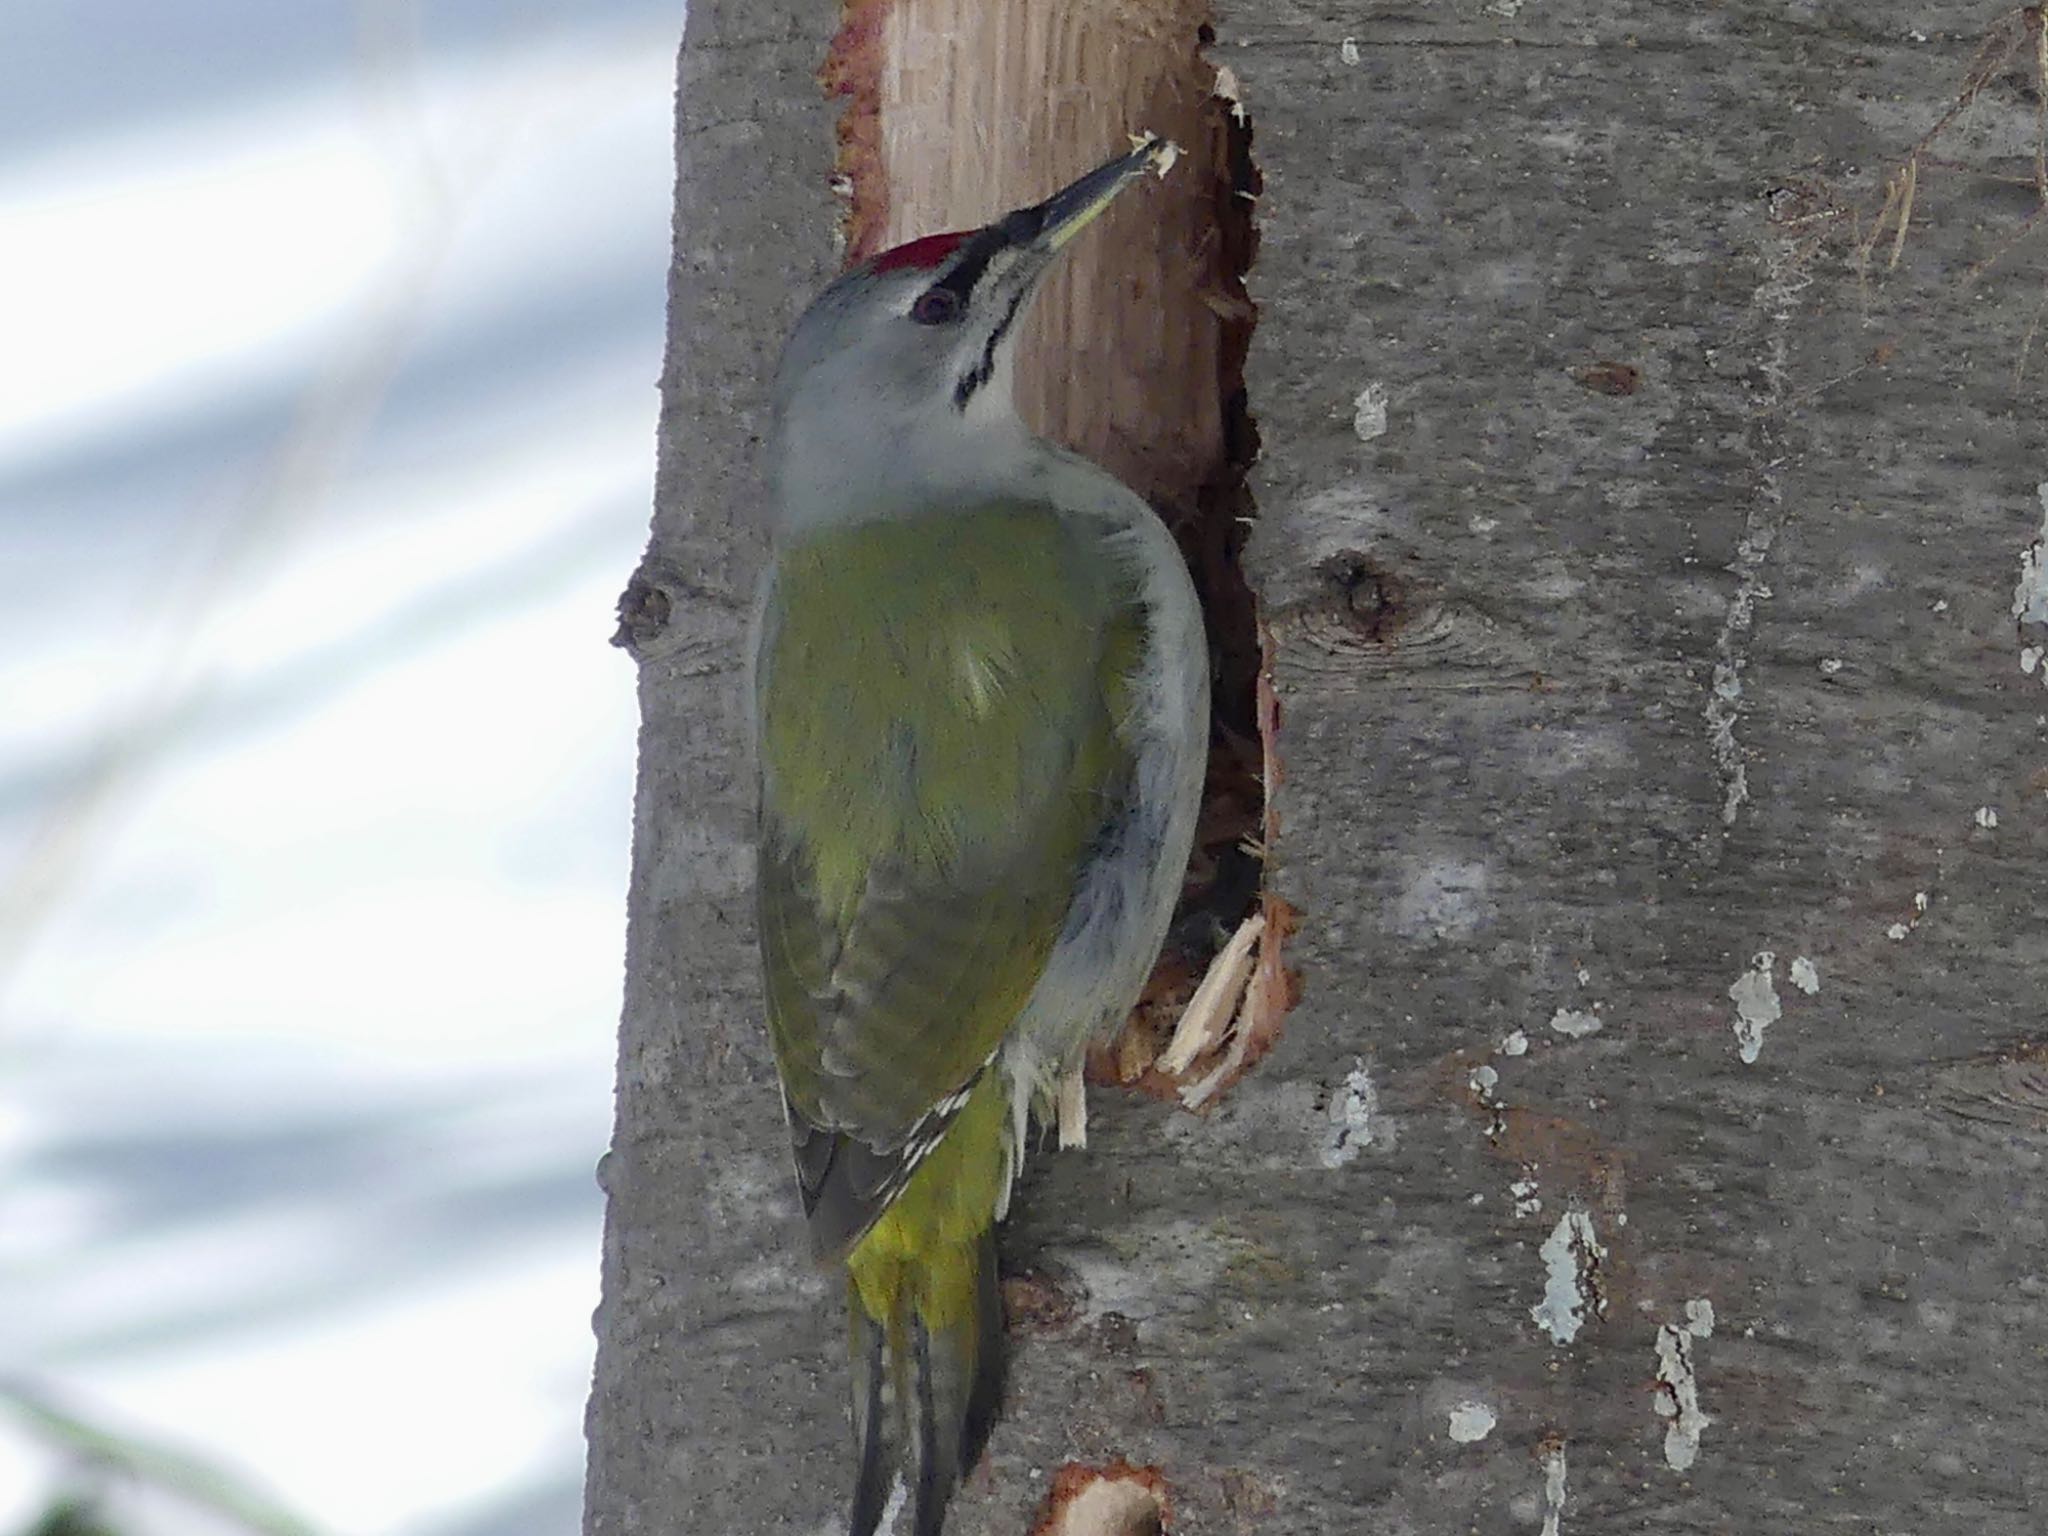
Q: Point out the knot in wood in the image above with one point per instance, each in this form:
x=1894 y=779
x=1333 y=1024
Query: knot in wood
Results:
x=664 y=614
x=1374 y=601
x=645 y=609
x=1372 y=622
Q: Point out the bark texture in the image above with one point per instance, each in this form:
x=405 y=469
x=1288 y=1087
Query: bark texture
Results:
x=1643 y=588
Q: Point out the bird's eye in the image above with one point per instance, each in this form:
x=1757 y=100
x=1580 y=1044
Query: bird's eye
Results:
x=936 y=306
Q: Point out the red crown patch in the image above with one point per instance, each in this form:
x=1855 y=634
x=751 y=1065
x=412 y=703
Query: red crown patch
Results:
x=922 y=254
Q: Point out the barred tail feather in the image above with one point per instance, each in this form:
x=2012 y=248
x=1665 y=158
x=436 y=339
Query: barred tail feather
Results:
x=927 y=1323
x=927 y=1384
x=956 y=1366
x=867 y=1347
x=985 y=1399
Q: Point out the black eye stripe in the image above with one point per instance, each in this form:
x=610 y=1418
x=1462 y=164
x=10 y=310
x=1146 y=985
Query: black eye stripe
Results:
x=983 y=370
x=972 y=262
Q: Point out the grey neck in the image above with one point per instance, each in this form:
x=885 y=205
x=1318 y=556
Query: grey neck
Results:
x=837 y=465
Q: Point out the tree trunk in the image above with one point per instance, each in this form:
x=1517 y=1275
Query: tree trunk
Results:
x=1650 y=537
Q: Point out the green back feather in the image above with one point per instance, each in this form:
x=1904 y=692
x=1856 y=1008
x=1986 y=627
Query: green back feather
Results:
x=938 y=703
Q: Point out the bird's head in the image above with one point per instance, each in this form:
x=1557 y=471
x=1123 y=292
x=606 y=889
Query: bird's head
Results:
x=898 y=370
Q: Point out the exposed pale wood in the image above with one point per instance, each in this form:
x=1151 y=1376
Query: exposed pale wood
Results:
x=1215 y=1003
x=1072 y=1112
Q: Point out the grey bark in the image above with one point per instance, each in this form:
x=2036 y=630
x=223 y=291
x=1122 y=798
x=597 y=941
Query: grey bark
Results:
x=1500 y=623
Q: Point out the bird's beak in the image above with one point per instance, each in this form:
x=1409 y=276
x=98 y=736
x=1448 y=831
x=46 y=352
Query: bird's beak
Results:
x=1025 y=242
x=1007 y=258
x=1072 y=209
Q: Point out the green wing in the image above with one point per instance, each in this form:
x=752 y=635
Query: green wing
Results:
x=938 y=707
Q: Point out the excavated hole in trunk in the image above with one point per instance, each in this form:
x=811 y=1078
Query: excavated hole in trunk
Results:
x=1226 y=880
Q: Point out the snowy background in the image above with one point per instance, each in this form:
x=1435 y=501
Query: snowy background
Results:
x=329 y=333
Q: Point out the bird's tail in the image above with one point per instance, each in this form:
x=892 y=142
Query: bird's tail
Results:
x=925 y=1387
x=925 y=1327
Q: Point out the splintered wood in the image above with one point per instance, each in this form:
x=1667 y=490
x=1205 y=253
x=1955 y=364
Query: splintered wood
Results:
x=1207 y=1019
x=1073 y=1110
x=1114 y=1500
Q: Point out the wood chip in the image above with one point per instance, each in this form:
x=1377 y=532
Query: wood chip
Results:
x=1207 y=1020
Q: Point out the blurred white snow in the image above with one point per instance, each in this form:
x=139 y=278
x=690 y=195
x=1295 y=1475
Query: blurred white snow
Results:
x=330 y=335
